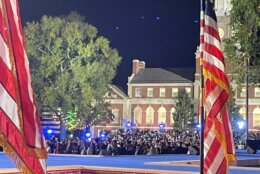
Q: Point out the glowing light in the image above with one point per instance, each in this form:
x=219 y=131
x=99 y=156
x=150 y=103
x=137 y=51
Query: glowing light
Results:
x=157 y=18
x=88 y=134
x=49 y=131
x=241 y=124
x=103 y=134
x=198 y=126
x=161 y=126
x=71 y=120
x=128 y=124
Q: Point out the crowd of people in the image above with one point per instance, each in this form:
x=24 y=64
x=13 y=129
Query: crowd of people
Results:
x=139 y=142
x=240 y=138
x=131 y=142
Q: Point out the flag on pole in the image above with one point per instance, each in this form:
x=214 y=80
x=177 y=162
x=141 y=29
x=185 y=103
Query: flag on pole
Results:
x=218 y=138
x=20 y=129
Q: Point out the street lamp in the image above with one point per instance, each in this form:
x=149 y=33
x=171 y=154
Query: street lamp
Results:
x=247 y=107
x=247 y=61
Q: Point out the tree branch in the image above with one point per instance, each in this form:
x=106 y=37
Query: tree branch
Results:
x=44 y=52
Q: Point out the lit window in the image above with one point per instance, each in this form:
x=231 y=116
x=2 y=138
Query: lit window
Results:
x=243 y=92
x=242 y=112
x=138 y=92
x=149 y=92
x=138 y=115
x=174 y=92
x=256 y=117
x=149 y=115
x=188 y=90
x=161 y=115
x=257 y=92
x=162 y=92
x=115 y=112
x=173 y=110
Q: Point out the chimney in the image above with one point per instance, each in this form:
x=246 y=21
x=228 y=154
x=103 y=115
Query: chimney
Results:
x=137 y=65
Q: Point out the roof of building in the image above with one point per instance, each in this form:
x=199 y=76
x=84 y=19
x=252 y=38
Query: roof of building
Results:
x=119 y=90
x=159 y=75
x=187 y=73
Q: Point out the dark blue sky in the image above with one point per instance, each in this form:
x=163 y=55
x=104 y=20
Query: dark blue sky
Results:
x=163 y=33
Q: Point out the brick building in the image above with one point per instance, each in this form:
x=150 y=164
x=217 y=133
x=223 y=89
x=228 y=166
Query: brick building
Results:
x=152 y=91
x=150 y=97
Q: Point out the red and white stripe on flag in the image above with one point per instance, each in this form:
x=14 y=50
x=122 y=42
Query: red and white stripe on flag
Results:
x=20 y=129
x=218 y=138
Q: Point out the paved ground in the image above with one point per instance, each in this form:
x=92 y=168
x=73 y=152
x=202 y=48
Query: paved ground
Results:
x=138 y=162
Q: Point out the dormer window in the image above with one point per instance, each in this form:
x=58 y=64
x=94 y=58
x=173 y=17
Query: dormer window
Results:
x=162 y=92
x=138 y=92
x=174 y=92
x=149 y=92
x=188 y=90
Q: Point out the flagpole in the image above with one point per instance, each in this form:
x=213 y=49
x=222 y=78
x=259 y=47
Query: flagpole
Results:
x=202 y=122
x=202 y=5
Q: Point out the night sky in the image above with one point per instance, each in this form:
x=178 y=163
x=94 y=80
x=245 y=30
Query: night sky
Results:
x=163 y=33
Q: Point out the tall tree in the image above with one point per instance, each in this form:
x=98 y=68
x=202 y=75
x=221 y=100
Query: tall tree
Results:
x=71 y=65
x=244 y=43
x=183 y=110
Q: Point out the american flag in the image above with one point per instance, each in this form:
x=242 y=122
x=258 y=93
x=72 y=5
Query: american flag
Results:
x=218 y=138
x=20 y=129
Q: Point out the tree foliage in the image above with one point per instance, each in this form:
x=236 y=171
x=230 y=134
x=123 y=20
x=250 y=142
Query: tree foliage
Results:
x=244 y=42
x=71 y=64
x=183 y=110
